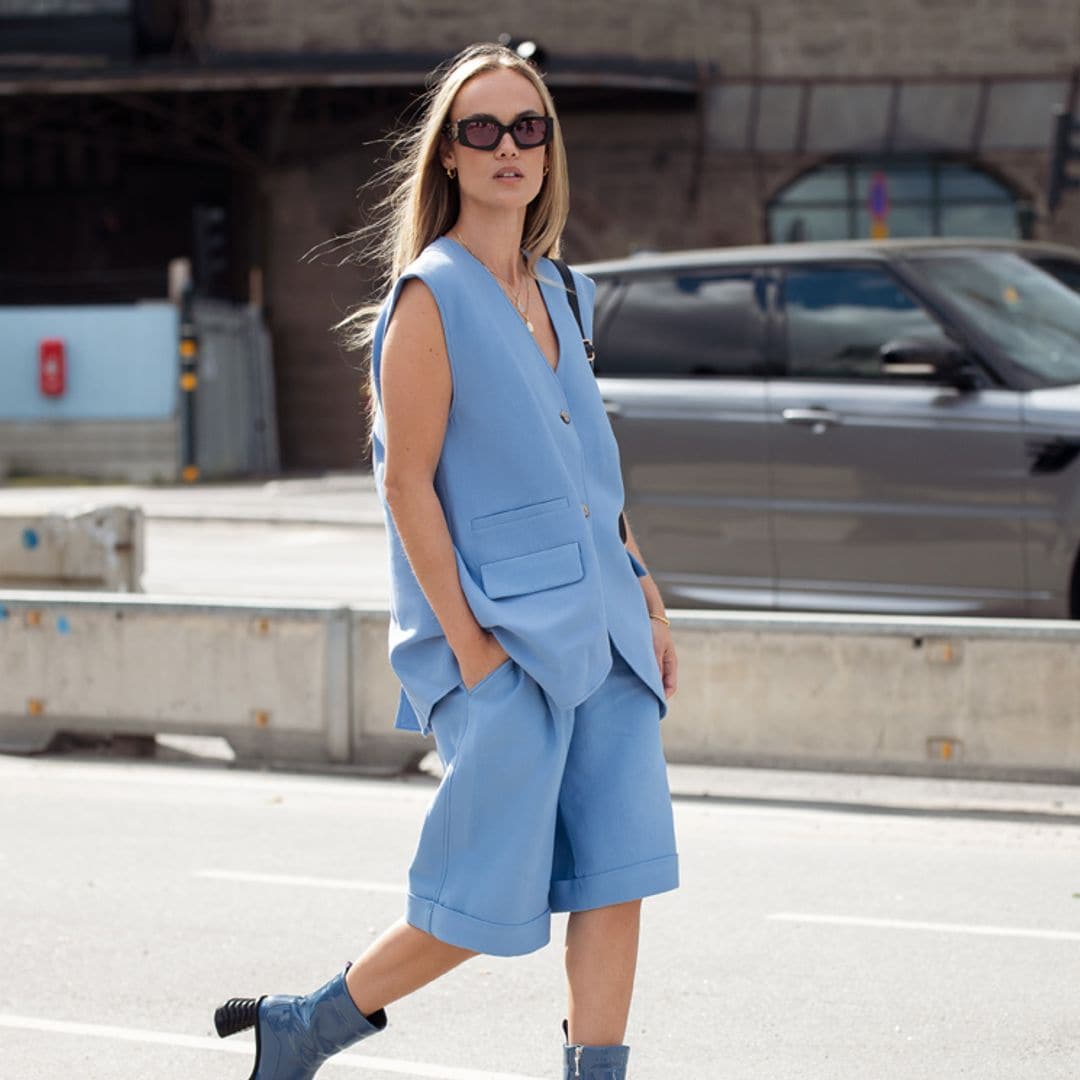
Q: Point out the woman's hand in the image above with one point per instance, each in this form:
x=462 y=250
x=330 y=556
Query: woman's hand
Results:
x=668 y=662
x=481 y=661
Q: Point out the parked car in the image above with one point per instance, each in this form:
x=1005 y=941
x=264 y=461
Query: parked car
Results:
x=879 y=426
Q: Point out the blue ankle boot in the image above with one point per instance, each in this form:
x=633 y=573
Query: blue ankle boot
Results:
x=295 y=1035
x=593 y=1062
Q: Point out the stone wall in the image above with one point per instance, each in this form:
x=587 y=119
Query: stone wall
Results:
x=640 y=178
x=320 y=413
x=767 y=38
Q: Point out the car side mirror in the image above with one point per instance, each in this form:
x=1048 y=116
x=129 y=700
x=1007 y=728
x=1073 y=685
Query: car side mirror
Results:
x=928 y=358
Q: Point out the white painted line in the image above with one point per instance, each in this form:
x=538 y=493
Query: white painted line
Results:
x=943 y=928
x=295 y=879
x=232 y=1046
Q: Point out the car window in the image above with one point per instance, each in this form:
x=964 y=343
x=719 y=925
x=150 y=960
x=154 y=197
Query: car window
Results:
x=837 y=318
x=685 y=323
x=1067 y=272
x=1032 y=317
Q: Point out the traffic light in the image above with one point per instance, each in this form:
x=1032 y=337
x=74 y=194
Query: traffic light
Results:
x=1065 y=150
x=210 y=262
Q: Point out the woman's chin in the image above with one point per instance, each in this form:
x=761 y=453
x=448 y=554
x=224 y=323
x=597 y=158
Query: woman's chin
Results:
x=517 y=198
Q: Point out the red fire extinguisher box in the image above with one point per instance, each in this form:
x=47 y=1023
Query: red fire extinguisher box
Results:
x=52 y=367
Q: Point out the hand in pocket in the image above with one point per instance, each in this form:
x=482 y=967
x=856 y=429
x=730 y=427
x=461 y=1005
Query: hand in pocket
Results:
x=478 y=666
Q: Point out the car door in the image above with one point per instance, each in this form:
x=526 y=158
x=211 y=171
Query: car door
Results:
x=889 y=494
x=680 y=361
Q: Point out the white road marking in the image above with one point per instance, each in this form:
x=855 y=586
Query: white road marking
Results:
x=943 y=928
x=197 y=1042
x=296 y=879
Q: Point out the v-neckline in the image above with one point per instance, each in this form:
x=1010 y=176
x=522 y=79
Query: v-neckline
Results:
x=544 y=299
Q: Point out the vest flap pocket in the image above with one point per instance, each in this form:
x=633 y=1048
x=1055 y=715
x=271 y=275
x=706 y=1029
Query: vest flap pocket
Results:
x=504 y=517
x=533 y=572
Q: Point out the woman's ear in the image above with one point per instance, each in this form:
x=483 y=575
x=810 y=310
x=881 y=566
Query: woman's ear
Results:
x=446 y=154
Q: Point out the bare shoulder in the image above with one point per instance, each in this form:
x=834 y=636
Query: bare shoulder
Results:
x=417 y=386
x=415 y=323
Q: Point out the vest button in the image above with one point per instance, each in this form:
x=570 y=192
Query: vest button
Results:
x=585 y=509
x=565 y=416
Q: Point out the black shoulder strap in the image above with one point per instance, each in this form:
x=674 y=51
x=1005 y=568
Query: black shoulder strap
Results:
x=590 y=352
x=571 y=295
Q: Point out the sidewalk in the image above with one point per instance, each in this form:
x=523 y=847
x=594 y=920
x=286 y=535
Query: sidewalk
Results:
x=333 y=499
x=883 y=794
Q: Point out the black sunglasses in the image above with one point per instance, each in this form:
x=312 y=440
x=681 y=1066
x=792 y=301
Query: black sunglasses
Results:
x=484 y=132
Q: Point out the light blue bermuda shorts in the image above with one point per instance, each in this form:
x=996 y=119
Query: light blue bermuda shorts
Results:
x=541 y=809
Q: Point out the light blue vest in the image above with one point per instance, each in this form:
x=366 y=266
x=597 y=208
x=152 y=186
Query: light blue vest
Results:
x=530 y=484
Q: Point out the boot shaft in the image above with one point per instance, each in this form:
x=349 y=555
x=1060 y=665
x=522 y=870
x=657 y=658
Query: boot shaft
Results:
x=581 y=1062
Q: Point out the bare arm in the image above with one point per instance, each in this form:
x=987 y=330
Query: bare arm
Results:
x=416 y=387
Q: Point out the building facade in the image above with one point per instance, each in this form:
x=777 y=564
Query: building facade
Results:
x=688 y=124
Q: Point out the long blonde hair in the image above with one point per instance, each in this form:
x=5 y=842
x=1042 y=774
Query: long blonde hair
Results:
x=424 y=202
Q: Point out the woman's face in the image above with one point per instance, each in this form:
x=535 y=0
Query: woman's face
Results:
x=507 y=176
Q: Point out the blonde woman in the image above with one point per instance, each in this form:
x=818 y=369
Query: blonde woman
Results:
x=528 y=637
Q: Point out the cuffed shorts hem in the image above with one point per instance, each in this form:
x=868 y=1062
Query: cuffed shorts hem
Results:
x=467 y=932
x=616 y=886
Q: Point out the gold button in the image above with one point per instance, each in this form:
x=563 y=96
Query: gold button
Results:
x=585 y=508
x=565 y=416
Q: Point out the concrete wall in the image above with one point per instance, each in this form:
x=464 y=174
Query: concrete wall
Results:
x=121 y=361
x=124 y=451
x=119 y=417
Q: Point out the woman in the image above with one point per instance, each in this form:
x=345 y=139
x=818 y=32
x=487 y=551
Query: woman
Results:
x=528 y=640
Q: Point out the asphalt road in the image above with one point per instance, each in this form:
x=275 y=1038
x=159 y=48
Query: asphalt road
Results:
x=317 y=539
x=817 y=944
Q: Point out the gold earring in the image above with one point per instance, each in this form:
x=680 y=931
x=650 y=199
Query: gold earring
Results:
x=547 y=169
x=451 y=171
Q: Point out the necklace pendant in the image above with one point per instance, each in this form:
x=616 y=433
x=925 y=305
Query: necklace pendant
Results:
x=530 y=326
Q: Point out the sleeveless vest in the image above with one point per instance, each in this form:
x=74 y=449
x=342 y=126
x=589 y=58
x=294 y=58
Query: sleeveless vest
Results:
x=530 y=483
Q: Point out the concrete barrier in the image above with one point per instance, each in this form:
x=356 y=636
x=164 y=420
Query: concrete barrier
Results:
x=993 y=698
x=99 y=547
x=312 y=683
x=274 y=680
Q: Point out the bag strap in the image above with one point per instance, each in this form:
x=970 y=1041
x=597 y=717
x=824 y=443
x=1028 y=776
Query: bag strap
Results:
x=572 y=296
x=590 y=352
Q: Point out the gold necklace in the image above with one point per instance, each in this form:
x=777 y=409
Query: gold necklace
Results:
x=523 y=309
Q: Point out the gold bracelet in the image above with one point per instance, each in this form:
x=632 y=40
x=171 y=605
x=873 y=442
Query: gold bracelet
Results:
x=666 y=622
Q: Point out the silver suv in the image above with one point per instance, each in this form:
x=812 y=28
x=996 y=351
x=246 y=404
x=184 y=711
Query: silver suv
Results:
x=853 y=427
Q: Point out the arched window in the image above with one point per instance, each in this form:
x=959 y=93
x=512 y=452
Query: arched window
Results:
x=924 y=197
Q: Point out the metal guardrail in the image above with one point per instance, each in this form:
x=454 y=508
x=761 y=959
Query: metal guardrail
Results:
x=312 y=683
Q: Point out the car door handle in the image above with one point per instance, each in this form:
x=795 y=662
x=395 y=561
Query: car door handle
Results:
x=613 y=407
x=810 y=417
x=818 y=419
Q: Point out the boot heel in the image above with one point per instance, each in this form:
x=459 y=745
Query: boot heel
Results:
x=237 y=1014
